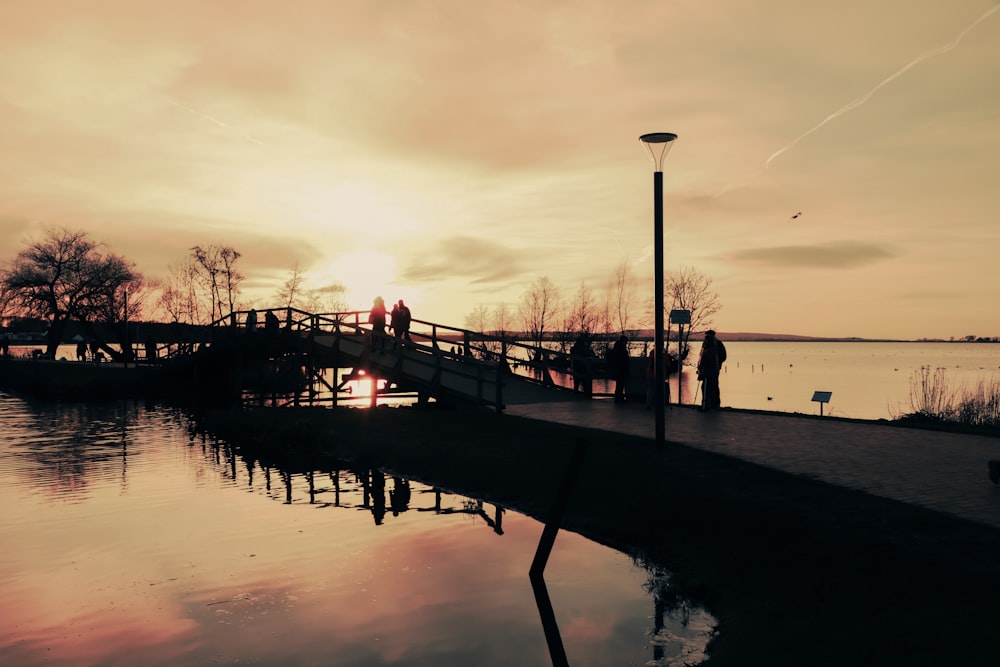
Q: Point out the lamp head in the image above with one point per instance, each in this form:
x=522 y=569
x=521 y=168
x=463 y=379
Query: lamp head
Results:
x=659 y=144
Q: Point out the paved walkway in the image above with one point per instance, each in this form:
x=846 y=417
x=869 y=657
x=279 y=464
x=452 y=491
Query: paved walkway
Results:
x=946 y=472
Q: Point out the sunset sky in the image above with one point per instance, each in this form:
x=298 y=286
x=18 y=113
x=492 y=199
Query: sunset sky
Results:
x=450 y=152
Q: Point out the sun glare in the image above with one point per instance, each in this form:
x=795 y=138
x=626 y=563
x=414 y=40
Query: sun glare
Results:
x=366 y=274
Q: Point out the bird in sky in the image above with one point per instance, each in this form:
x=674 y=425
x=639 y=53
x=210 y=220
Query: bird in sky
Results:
x=795 y=216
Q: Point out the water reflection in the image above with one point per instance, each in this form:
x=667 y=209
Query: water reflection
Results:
x=130 y=538
x=343 y=485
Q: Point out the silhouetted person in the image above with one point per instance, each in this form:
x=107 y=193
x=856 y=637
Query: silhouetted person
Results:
x=620 y=367
x=271 y=324
x=401 y=322
x=252 y=321
x=377 y=319
x=81 y=351
x=399 y=495
x=395 y=325
x=651 y=380
x=713 y=355
x=5 y=346
x=580 y=357
x=94 y=349
x=378 y=496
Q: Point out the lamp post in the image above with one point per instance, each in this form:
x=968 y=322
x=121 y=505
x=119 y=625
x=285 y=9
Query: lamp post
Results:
x=659 y=144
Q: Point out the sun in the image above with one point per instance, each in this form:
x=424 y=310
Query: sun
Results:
x=365 y=274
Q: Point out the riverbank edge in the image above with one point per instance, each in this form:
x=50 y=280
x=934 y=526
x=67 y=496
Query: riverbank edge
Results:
x=797 y=571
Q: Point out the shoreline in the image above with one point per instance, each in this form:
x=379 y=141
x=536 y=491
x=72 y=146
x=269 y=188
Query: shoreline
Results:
x=797 y=571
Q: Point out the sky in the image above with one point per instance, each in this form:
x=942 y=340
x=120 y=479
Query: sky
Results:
x=835 y=173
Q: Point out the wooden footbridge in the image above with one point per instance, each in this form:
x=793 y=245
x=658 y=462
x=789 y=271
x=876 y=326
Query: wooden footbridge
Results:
x=290 y=356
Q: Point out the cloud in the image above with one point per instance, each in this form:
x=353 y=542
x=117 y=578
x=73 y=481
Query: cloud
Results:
x=465 y=257
x=834 y=255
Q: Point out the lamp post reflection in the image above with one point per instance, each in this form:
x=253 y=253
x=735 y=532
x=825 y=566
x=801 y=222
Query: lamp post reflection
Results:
x=549 y=625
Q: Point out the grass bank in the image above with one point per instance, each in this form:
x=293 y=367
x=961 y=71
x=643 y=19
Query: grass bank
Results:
x=798 y=572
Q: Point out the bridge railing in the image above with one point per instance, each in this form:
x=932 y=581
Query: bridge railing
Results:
x=533 y=362
x=429 y=338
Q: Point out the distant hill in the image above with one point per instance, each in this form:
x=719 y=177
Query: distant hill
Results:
x=774 y=337
x=746 y=336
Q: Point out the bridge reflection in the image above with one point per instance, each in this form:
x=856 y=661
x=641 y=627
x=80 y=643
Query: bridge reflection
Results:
x=340 y=484
x=681 y=629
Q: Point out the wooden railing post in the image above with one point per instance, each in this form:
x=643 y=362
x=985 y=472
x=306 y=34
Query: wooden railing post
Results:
x=480 y=381
x=499 y=399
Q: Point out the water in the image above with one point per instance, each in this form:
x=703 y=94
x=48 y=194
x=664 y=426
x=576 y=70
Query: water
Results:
x=868 y=380
x=128 y=540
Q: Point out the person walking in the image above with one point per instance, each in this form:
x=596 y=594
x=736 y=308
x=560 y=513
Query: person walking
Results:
x=713 y=355
x=404 y=321
x=581 y=365
x=377 y=319
x=620 y=367
x=400 y=323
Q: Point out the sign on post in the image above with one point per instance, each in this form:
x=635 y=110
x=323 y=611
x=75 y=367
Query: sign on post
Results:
x=821 y=397
x=680 y=318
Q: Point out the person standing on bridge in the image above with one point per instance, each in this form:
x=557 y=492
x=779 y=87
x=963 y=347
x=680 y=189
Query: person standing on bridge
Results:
x=376 y=318
x=401 y=323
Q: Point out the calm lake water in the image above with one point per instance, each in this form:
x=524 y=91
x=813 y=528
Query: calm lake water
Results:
x=867 y=380
x=129 y=540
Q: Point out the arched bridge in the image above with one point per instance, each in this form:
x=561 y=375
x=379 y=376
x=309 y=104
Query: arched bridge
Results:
x=448 y=364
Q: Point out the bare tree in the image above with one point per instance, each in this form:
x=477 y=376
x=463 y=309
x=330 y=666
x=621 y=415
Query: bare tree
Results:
x=478 y=319
x=291 y=292
x=623 y=294
x=295 y=294
x=495 y=325
x=332 y=298
x=65 y=277
x=179 y=298
x=216 y=277
x=538 y=308
x=503 y=319
x=231 y=277
x=206 y=275
x=202 y=285
x=6 y=304
x=689 y=289
x=582 y=313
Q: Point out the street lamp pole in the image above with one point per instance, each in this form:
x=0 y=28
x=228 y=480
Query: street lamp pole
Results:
x=659 y=144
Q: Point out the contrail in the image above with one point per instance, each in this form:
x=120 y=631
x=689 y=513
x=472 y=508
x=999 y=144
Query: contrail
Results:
x=889 y=79
x=215 y=120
